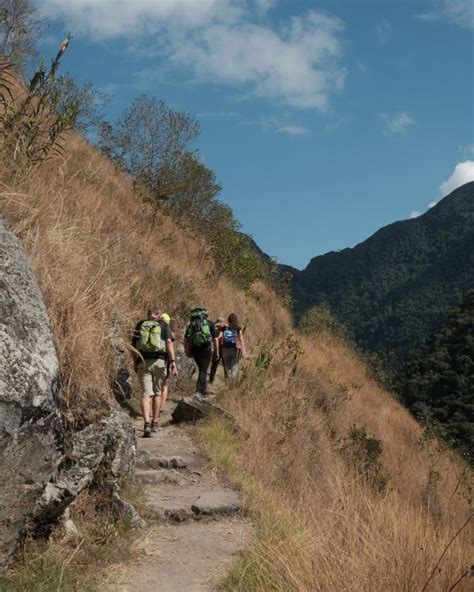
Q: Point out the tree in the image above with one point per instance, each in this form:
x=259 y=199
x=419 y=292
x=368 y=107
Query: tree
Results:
x=191 y=189
x=20 y=28
x=88 y=100
x=320 y=318
x=149 y=141
x=437 y=381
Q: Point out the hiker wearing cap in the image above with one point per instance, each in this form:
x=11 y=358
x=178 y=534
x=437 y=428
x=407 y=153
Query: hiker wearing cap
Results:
x=165 y=318
x=233 y=346
x=152 y=344
x=220 y=325
x=201 y=344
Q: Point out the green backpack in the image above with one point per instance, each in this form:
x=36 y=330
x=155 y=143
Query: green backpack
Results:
x=198 y=331
x=150 y=337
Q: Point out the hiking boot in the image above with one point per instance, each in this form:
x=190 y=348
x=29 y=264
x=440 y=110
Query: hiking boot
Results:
x=154 y=426
x=198 y=396
x=147 y=430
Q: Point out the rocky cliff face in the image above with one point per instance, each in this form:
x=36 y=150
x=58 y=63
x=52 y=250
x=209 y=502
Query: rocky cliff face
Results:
x=43 y=467
x=31 y=434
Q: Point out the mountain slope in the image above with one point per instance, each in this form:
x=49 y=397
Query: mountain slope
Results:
x=397 y=287
x=437 y=379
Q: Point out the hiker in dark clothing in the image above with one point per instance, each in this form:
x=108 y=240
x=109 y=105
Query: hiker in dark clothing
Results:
x=220 y=325
x=152 y=345
x=233 y=346
x=201 y=344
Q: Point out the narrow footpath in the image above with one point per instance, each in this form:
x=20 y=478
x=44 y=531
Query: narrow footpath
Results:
x=200 y=528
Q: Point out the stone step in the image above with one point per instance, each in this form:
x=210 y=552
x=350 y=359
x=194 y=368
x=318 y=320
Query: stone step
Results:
x=145 y=460
x=193 y=501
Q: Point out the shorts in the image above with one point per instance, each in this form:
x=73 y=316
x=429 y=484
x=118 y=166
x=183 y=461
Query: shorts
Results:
x=150 y=374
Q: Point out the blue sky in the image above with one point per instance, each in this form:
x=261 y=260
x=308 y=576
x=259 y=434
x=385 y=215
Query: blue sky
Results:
x=323 y=120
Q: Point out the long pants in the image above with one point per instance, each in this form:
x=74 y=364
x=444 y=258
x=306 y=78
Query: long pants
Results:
x=214 y=365
x=230 y=356
x=202 y=357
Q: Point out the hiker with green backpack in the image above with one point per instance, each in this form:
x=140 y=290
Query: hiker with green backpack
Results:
x=152 y=347
x=201 y=343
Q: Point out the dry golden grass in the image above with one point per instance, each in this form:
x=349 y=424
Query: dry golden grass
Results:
x=101 y=256
x=322 y=525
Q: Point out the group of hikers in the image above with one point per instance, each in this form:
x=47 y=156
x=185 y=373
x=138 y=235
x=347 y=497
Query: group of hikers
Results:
x=208 y=343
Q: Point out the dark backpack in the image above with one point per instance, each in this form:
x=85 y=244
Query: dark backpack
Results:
x=229 y=337
x=199 y=331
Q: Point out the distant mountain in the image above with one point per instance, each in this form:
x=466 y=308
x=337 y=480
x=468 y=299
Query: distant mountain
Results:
x=396 y=288
x=437 y=379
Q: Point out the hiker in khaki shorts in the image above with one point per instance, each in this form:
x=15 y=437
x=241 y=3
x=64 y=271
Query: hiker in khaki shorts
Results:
x=152 y=345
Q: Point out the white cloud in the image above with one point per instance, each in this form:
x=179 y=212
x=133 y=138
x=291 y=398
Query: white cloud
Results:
x=294 y=130
x=433 y=203
x=222 y=41
x=415 y=214
x=458 y=12
x=264 y=6
x=463 y=173
x=396 y=123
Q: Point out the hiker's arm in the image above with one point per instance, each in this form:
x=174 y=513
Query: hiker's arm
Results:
x=216 y=348
x=172 y=355
x=242 y=345
x=134 y=346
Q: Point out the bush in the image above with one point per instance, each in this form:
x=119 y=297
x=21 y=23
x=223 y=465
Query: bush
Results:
x=320 y=318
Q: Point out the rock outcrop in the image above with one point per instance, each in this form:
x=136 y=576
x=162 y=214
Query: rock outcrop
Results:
x=31 y=434
x=43 y=467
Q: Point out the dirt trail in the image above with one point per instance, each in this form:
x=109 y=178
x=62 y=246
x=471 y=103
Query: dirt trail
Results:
x=200 y=529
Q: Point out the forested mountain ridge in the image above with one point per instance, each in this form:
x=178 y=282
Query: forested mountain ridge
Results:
x=396 y=288
x=437 y=380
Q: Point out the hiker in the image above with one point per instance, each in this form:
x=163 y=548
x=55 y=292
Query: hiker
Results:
x=165 y=317
x=152 y=345
x=233 y=346
x=220 y=325
x=201 y=344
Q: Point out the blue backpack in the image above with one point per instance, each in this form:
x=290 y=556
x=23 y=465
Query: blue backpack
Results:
x=230 y=337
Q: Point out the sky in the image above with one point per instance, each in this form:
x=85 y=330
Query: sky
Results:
x=323 y=120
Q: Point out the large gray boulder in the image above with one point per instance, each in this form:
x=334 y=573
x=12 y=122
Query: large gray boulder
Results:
x=102 y=453
x=43 y=467
x=31 y=434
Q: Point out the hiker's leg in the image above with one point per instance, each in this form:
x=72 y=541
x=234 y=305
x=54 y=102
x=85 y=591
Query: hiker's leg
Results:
x=156 y=404
x=145 y=405
x=230 y=362
x=146 y=381
x=164 y=391
x=158 y=372
x=214 y=365
x=203 y=359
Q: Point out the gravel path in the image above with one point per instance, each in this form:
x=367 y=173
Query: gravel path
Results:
x=200 y=527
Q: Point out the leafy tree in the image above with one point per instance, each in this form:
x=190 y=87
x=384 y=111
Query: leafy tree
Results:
x=437 y=380
x=88 y=101
x=191 y=191
x=149 y=141
x=20 y=29
x=320 y=318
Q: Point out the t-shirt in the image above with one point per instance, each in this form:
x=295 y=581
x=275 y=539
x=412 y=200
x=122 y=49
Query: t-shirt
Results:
x=165 y=335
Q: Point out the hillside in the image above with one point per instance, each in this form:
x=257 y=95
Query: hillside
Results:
x=341 y=484
x=396 y=288
x=437 y=380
